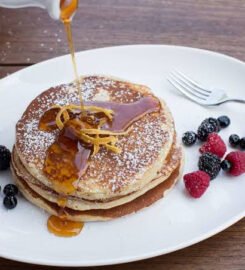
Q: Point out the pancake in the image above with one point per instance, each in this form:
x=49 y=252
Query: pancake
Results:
x=108 y=175
x=170 y=164
x=139 y=203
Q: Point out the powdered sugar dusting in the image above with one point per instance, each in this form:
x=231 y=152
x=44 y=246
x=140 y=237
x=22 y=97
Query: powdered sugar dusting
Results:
x=140 y=148
x=35 y=140
x=34 y=143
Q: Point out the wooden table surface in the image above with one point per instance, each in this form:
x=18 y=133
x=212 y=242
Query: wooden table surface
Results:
x=28 y=36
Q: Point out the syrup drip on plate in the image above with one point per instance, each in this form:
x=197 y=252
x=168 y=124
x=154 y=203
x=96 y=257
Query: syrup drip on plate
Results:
x=63 y=227
x=60 y=225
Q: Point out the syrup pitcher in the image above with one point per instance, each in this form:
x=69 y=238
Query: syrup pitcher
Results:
x=52 y=6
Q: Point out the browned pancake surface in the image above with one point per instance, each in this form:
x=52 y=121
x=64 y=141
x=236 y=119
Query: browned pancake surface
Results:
x=108 y=173
x=143 y=201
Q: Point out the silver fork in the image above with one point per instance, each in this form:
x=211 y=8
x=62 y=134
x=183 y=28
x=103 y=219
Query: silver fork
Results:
x=198 y=93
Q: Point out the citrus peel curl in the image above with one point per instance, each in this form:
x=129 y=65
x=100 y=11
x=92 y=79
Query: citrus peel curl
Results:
x=94 y=136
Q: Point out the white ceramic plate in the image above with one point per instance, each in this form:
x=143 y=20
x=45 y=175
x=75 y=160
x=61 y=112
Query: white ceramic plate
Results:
x=174 y=222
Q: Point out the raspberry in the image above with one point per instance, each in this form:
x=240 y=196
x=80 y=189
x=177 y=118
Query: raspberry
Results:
x=214 y=145
x=196 y=183
x=210 y=163
x=237 y=161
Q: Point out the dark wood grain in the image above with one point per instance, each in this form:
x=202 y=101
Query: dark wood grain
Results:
x=7 y=70
x=29 y=36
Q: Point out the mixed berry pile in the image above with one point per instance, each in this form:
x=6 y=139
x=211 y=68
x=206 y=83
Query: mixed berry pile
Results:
x=213 y=158
x=10 y=191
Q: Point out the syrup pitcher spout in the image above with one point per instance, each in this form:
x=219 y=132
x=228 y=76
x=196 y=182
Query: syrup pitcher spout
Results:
x=52 y=6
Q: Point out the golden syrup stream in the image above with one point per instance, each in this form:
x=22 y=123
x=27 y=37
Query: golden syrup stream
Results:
x=68 y=8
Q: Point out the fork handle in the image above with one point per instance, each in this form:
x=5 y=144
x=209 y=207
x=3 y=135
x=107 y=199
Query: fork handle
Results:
x=232 y=100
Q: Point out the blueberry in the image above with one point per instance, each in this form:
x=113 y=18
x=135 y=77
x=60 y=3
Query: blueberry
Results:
x=210 y=164
x=10 y=202
x=10 y=190
x=224 y=121
x=189 y=138
x=234 y=140
x=5 y=157
x=242 y=143
x=225 y=165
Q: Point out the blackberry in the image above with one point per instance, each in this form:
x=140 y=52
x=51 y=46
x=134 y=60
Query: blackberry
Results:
x=224 y=121
x=225 y=165
x=242 y=143
x=210 y=164
x=5 y=157
x=215 y=123
x=207 y=126
x=10 y=190
x=234 y=140
x=10 y=202
x=189 y=138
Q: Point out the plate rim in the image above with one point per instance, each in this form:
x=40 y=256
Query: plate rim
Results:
x=150 y=255
x=188 y=48
x=146 y=255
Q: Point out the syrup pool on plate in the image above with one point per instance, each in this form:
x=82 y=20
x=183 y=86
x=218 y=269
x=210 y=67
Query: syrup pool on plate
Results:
x=63 y=227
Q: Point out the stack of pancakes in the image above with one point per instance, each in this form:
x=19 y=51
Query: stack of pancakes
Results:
x=113 y=185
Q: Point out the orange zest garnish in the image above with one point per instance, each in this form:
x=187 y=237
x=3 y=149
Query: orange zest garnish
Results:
x=87 y=133
x=72 y=107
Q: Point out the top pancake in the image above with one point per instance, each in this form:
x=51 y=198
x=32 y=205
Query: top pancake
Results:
x=109 y=175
